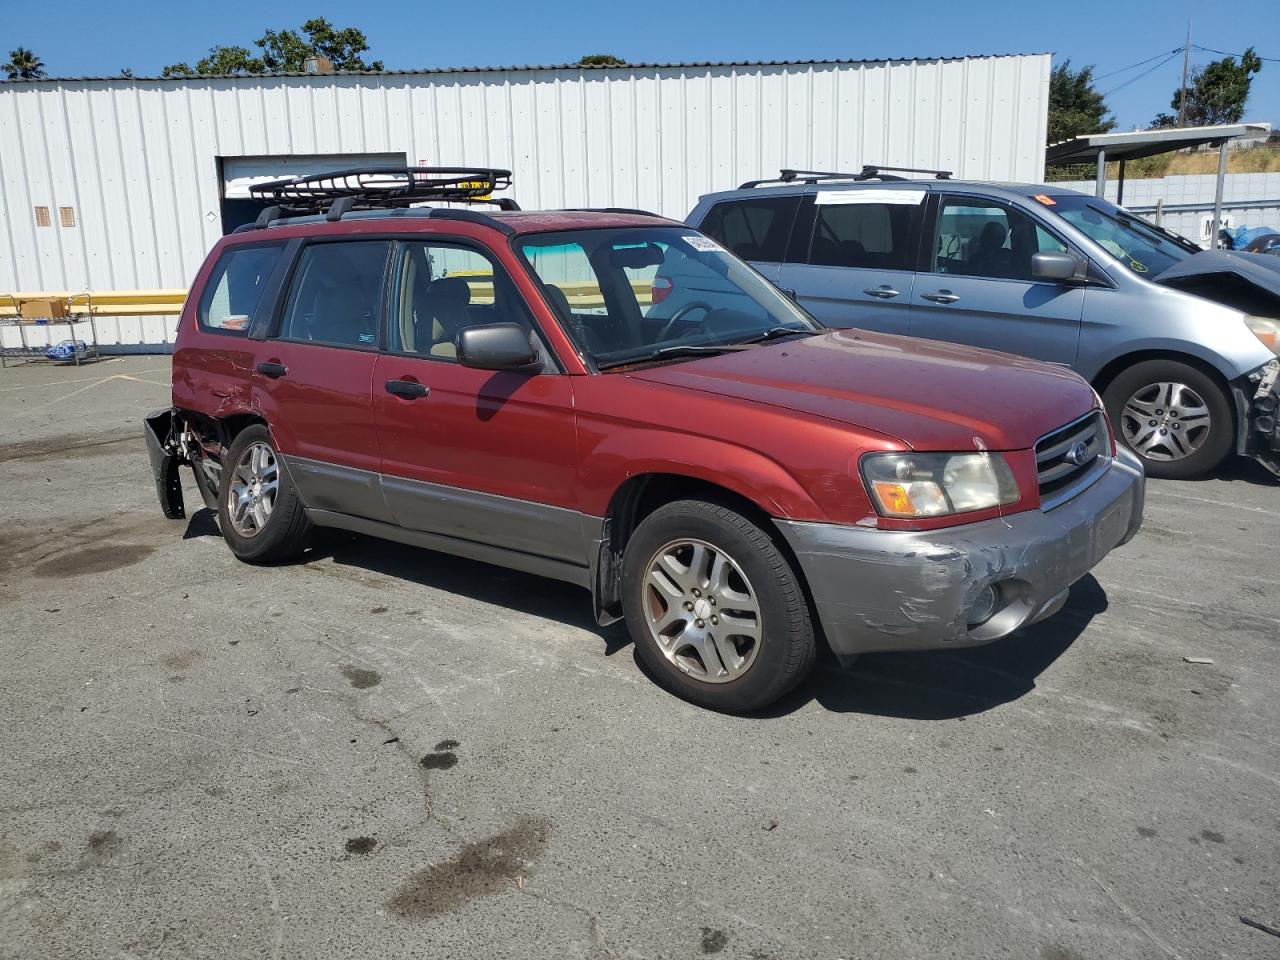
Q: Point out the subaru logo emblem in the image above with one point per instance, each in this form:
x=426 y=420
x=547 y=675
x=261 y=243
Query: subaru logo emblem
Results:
x=1078 y=454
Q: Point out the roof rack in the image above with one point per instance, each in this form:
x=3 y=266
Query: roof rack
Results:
x=632 y=210
x=335 y=194
x=869 y=172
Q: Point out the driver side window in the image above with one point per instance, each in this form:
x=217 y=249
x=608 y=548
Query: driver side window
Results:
x=980 y=238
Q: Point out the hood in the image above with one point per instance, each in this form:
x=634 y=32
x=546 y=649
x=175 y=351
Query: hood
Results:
x=1249 y=282
x=928 y=395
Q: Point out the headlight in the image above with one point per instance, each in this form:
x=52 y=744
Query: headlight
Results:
x=914 y=485
x=1266 y=330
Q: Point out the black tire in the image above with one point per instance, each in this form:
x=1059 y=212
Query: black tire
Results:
x=1215 y=444
x=284 y=535
x=786 y=646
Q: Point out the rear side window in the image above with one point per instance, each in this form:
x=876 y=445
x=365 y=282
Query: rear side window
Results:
x=755 y=229
x=878 y=236
x=235 y=288
x=336 y=294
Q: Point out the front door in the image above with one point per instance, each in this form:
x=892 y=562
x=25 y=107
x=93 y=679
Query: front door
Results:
x=314 y=376
x=857 y=265
x=979 y=289
x=479 y=455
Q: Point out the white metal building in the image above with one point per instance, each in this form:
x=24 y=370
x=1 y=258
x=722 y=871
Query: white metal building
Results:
x=123 y=184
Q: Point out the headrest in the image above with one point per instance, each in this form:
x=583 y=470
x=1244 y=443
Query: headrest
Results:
x=450 y=292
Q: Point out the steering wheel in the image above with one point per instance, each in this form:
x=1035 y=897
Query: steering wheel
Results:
x=680 y=315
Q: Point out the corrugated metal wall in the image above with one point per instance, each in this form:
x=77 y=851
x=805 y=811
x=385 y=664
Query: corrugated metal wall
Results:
x=1253 y=189
x=138 y=160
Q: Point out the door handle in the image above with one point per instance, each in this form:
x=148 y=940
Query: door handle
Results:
x=941 y=296
x=882 y=292
x=409 y=389
x=273 y=369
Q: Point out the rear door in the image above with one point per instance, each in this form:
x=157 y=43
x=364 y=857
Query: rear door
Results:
x=978 y=287
x=480 y=455
x=855 y=260
x=314 y=374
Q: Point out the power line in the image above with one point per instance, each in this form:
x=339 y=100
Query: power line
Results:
x=1162 y=53
x=1238 y=56
x=1152 y=69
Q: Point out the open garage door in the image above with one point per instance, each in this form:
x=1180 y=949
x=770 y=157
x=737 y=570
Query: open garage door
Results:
x=240 y=173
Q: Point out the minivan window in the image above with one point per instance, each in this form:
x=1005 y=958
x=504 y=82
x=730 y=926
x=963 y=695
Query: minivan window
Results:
x=335 y=294
x=1136 y=244
x=980 y=238
x=235 y=288
x=440 y=290
x=873 y=235
x=755 y=229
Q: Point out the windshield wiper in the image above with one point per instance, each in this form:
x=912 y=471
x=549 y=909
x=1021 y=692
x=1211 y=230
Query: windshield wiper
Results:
x=773 y=333
x=1136 y=224
x=678 y=350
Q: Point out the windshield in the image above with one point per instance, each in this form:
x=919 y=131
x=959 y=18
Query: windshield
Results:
x=628 y=295
x=1142 y=247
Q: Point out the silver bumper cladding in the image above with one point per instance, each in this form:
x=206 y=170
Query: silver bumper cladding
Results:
x=878 y=590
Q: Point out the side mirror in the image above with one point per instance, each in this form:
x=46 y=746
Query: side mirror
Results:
x=497 y=346
x=1051 y=265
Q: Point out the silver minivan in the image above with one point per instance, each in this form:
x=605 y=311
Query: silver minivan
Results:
x=1181 y=343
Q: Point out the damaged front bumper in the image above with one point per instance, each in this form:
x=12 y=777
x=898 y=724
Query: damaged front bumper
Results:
x=1258 y=400
x=878 y=590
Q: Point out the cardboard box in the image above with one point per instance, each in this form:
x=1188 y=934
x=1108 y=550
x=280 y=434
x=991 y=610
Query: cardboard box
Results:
x=44 y=308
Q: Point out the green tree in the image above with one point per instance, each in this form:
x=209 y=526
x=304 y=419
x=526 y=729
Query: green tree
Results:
x=1075 y=106
x=285 y=51
x=1216 y=94
x=24 y=65
x=601 y=60
x=219 y=61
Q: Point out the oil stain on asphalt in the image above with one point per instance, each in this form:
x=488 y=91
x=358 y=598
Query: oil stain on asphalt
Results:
x=93 y=560
x=360 y=678
x=479 y=869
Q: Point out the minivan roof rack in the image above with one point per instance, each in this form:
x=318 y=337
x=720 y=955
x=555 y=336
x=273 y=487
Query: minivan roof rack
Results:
x=335 y=194
x=869 y=172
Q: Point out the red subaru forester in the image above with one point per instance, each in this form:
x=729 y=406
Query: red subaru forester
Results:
x=718 y=469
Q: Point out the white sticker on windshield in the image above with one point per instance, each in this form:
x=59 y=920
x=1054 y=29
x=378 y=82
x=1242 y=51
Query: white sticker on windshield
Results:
x=907 y=197
x=705 y=244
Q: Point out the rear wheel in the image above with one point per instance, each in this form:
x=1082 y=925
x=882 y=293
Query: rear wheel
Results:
x=714 y=607
x=259 y=512
x=1176 y=418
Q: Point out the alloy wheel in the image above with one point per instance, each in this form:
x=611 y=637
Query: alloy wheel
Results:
x=701 y=611
x=251 y=495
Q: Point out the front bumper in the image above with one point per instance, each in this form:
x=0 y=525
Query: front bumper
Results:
x=1258 y=403
x=880 y=590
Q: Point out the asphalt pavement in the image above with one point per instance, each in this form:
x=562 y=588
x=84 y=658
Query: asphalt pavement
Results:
x=385 y=752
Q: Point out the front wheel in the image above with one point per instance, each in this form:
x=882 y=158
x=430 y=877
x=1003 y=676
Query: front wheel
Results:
x=1176 y=418
x=715 y=609
x=259 y=512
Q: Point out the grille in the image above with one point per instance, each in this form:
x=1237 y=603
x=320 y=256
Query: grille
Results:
x=1064 y=467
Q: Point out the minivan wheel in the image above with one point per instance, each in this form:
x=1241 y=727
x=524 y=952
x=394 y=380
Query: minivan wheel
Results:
x=1173 y=416
x=259 y=512
x=715 y=609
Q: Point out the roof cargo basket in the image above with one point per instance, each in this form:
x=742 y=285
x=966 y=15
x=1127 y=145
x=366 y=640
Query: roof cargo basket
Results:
x=334 y=194
x=869 y=172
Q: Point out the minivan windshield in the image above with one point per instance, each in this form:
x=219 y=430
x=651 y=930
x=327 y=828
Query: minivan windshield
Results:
x=1144 y=248
x=629 y=295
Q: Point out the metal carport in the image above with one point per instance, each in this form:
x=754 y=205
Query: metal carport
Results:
x=1101 y=147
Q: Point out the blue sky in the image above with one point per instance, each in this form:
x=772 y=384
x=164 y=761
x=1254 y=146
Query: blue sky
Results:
x=76 y=37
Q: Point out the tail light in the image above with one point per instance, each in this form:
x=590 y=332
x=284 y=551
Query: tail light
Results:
x=662 y=287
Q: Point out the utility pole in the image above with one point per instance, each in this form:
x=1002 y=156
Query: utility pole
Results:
x=1186 y=62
